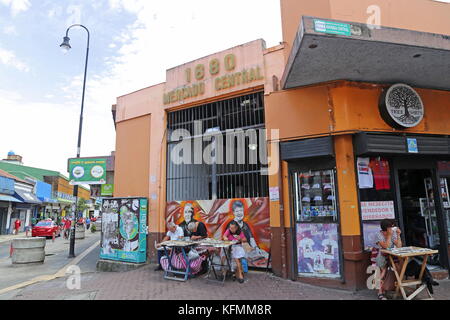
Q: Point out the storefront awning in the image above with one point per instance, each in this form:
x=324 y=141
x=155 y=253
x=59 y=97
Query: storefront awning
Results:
x=64 y=201
x=327 y=50
x=47 y=200
x=27 y=197
x=8 y=198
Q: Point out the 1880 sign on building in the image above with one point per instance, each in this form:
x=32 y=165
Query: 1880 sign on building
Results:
x=401 y=106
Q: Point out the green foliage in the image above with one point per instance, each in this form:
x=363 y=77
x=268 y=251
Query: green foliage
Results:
x=82 y=205
x=93 y=228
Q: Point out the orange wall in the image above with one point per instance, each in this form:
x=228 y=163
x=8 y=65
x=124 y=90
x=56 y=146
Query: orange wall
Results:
x=132 y=157
x=419 y=15
x=298 y=113
x=346 y=107
x=346 y=177
x=64 y=187
x=138 y=113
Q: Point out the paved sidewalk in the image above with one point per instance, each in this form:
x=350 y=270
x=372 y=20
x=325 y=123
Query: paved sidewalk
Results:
x=8 y=237
x=146 y=284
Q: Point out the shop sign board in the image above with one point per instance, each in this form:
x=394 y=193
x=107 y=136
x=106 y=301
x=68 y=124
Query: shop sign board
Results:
x=233 y=69
x=343 y=29
x=107 y=190
x=87 y=171
x=318 y=249
x=377 y=210
x=401 y=107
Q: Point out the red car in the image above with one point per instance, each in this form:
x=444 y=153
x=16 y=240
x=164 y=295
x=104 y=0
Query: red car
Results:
x=46 y=228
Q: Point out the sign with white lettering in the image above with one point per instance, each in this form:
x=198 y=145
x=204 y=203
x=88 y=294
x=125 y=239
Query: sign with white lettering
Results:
x=331 y=27
x=377 y=210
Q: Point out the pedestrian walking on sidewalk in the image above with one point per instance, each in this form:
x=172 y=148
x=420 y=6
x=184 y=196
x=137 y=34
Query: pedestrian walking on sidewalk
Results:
x=67 y=225
x=17 y=225
x=88 y=223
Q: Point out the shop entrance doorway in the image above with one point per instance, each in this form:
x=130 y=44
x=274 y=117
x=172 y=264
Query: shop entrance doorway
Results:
x=419 y=216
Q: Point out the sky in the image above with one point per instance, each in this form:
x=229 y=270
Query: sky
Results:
x=132 y=43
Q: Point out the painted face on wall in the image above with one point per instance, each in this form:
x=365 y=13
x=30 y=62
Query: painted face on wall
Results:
x=188 y=212
x=238 y=213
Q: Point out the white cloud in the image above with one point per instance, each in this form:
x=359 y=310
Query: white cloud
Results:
x=169 y=33
x=10 y=30
x=9 y=58
x=54 y=12
x=49 y=146
x=46 y=146
x=164 y=34
x=16 y=6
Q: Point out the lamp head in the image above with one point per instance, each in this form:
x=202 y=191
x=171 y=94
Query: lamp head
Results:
x=65 y=46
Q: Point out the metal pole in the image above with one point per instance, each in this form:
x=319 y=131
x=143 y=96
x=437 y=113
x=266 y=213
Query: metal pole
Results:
x=75 y=189
x=214 y=170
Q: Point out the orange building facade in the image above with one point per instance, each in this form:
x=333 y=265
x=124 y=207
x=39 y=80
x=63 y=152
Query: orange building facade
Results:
x=327 y=150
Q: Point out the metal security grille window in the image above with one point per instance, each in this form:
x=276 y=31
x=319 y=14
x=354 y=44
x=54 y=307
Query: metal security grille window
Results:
x=223 y=147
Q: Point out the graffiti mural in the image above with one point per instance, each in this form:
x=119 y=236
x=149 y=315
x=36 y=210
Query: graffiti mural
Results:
x=252 y=214
x=123 y=235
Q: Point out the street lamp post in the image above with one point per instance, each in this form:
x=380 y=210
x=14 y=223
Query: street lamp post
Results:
x=65 y=46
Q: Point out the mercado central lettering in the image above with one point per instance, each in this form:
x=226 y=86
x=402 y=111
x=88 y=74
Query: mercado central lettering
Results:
x=220 y=83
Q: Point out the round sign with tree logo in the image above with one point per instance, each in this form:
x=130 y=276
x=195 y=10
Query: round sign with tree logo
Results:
x=401 y=106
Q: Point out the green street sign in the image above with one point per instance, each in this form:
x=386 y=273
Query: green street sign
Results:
x=107 y=190
x=338 y=28
x=87 y=171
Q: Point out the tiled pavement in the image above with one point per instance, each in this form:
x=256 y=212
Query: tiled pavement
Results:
x=8 y=237
x=146 y=284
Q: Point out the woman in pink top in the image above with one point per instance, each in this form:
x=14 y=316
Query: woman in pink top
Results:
x=237 y=251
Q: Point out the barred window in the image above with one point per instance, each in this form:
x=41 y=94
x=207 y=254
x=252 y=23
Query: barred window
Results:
x=217 y=150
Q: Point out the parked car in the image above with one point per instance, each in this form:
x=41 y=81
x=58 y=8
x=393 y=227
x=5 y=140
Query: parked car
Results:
x=46 y=228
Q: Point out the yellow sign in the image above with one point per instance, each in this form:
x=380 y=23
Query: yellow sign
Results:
x=184 y=93
x=220 y=83
x=238 y=78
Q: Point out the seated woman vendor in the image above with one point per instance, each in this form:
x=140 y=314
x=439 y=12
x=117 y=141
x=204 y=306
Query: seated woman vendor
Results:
x=388 y=237
x=198 y=230
x=237 y=251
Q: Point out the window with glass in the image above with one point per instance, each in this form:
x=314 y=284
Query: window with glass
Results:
x=443 y=187
x=315 y=196
x=376 y=194
x=315 y=208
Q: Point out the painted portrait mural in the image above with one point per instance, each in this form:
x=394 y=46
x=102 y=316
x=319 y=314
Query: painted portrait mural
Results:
x=252 y=215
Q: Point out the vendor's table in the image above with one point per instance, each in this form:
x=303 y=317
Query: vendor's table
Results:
x=217 y=246
x=177 y=246
x=404 y=254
